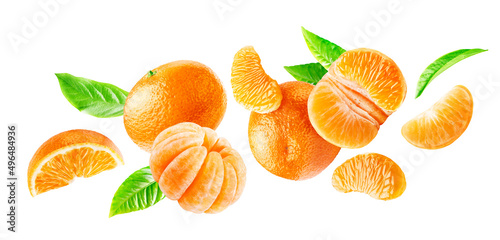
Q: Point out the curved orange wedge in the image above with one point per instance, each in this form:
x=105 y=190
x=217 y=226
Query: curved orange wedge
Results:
x=443 y=123
x=370 y=173
x=252 y=87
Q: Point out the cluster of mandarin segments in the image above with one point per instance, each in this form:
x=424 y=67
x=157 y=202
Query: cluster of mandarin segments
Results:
x=172 y=112
x=68 y=155
x=359 y=92
x=303 y=132
x=195 y=167
x=281 y=136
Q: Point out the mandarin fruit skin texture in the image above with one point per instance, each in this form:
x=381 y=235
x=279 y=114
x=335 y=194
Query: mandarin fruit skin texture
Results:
x=252 y=87
x=359 y=92
x=180 y=91
x=195 y=167
x=443 y=123
x=370 y=173
x=284 y=141
x=71 y=154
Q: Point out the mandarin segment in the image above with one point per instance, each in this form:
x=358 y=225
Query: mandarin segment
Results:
x=207 y=185
x=167 y=151
x=180 y=91
x=197 y=168
x=232 y=157
x=443 y=123
x=370 y=173
x=181 y=171
x=227 y=191
x=284 y=142
x=252 y=87
x=68 y=155
x=360 y=91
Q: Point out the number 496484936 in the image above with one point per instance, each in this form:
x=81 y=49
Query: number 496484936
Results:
x=11 y=150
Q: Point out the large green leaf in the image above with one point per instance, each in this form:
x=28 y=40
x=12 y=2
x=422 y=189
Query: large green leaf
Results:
x=98 y=99
x=323 y=50
x=139 y=191
x=309 y=73
x=441 y=64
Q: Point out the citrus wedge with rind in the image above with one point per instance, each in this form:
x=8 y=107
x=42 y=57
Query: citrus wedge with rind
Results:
x=68 y=155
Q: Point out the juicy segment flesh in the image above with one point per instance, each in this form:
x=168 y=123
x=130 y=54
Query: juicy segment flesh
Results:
x=344 y=113
x=443 y=123
x=252 y=87
x=360 y=91
x=196 y=168
x=80 y=160
x=371 y=173
x=376 y=73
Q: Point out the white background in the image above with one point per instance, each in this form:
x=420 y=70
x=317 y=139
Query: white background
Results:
x=452 y=193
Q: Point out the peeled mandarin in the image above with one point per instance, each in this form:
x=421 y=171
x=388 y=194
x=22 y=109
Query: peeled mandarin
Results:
x=362 y=88
x=195 y=167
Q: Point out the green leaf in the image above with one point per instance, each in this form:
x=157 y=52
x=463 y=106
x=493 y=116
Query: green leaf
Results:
x=151 y=73
x=98 y=99
x=138 y=192
x=441 y=64
x=309 y=73
x=323 y=50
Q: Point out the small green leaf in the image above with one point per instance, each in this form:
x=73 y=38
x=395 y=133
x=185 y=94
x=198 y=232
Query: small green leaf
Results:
x=309 y=73
x=323 y=50
x=138 y=192
x=98 y=99
x=441 y=64
x=151 y=73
